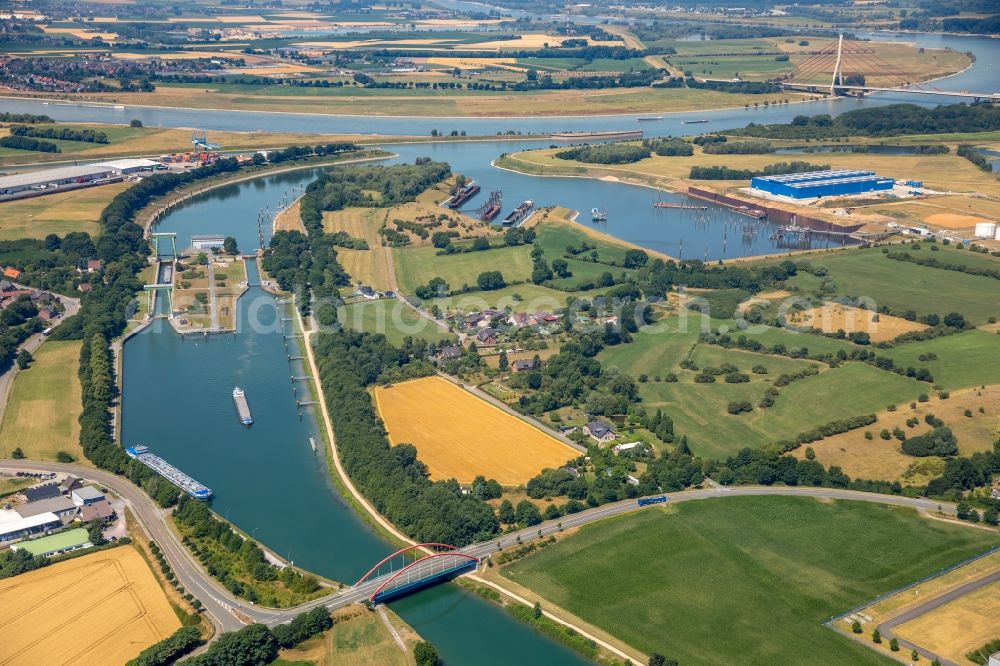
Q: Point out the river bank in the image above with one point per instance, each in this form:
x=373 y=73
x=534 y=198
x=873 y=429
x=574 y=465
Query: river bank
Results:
x=148 y=217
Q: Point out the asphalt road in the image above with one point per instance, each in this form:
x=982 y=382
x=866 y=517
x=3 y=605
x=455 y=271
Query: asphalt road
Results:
x=222 y=607
x=887 y=627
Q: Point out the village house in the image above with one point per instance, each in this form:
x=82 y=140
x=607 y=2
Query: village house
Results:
x=47 y=313
x=69 y=484
x=11 y=272
x=366 y=292
x=84 y=287
x=475 y=319
x=521 y=365
x=600 y=431
x=487 y=337
x=99 y=510
x=518 y=319
x=450 y=353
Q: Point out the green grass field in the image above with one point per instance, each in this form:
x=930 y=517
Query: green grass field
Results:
x=653 y=351
x=58 y=213
x=965 y=359
x=906 y=286
x=44 y=404
x=555 y=235
x=613 y=65
x=699 y=410
x=391 y=318
x=417 y=265
x=743 y=580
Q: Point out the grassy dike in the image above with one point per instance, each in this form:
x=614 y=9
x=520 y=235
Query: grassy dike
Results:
x=328 y=448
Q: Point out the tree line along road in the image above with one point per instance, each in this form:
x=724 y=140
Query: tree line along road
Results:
x=229 y=613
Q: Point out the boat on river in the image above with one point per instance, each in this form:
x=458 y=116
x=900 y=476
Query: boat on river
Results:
x=242 y=407
x=463 y=195
x=671 y=204
x=517 y=215
x=598 y=215
x=694 y=122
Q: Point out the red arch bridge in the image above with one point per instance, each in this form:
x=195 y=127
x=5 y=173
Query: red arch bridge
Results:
x=441 y=562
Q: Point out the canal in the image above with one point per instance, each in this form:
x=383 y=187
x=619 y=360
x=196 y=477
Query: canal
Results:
x=177 y=399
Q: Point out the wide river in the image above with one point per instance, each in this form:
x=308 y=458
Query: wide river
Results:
x=177 y=396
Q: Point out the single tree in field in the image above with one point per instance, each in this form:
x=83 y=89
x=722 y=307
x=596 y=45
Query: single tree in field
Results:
x=876 y=636
x=426 y=654
x=24 y=359
x=856 y=627
x=229 y=245
x=656 y=659
x=894 y=645
x=503 y=361
x=536 y=612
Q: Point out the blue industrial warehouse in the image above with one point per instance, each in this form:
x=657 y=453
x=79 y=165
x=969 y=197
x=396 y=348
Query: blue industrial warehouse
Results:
x=813 y=184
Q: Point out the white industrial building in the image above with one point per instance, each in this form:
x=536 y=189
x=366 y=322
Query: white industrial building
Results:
x=44 y=179
x=40 y=180
x=130 y=165
x=13 y=526
x=207 y=242
x=986 y=230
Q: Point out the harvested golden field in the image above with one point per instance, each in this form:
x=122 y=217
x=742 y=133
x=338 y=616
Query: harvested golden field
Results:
x=102 y=608
x=81 y=33
x=883 y=459
x=526 y=40
x=459 y=436
x=892 y=606
x=957 y=213
x=953 y=220
x=959 y=626
x=832 y=317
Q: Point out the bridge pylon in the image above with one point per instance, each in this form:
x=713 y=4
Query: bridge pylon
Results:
x=838 y=73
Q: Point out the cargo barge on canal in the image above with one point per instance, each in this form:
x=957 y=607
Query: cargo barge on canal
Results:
x=242 y=407
x=169 y=472
x=517 y=215
x=462 y=196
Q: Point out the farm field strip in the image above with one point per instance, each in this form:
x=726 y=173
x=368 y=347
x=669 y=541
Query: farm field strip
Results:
x=100 y=608
x=459 y=436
